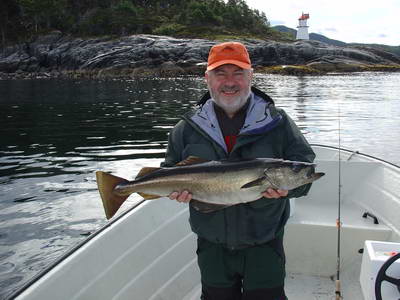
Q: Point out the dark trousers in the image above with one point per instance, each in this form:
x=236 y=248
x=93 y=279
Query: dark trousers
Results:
x=249 y=273
x=236 y=293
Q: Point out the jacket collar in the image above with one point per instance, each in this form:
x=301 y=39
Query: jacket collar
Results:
x=255 y=91
x=261 y=117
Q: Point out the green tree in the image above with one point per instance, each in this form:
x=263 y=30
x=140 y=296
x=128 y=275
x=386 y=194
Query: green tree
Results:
x=96 y=22
x=124 y=17
x=201 y=13
x=194 y=18
x=9 y=10
x=42 y=14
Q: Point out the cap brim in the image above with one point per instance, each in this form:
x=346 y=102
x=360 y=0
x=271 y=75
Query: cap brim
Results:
x=240 y=64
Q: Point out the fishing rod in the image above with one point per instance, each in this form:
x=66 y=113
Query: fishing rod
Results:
x=338 y=292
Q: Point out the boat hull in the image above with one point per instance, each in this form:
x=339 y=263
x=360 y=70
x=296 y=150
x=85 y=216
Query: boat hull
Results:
x=148 y=252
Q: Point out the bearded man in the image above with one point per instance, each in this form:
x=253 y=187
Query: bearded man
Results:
x=240 y=248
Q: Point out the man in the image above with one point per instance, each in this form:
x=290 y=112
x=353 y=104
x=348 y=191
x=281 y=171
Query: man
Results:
x=240 y=248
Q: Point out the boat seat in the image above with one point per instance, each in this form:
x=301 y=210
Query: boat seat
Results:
x=314 y=219
x=314 y=224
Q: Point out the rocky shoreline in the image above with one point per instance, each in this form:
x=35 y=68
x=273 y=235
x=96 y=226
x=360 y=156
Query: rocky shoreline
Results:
x=58 y=56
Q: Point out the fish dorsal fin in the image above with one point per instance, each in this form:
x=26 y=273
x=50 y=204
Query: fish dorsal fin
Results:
x=145 y=171
x=148 y=196
x=191 y=160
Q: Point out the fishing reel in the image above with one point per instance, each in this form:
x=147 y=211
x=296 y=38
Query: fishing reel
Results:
x=382 y=276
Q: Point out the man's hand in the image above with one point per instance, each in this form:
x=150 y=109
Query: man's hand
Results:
x=183 y=197
x=271 y=193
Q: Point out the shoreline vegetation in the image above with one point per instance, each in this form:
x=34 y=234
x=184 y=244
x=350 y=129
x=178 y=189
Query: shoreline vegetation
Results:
x=143 y=72
x=106 y=39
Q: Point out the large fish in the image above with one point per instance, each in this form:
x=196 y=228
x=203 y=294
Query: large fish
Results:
x=213 y=184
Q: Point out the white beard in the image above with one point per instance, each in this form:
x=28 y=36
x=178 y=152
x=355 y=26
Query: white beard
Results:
x=234 y=105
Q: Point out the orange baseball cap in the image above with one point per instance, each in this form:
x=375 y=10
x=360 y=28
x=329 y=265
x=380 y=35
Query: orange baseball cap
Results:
x=228 y=53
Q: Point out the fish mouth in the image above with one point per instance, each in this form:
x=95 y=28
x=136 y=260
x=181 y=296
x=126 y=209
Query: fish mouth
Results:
x=312 y=175
x=316 y=176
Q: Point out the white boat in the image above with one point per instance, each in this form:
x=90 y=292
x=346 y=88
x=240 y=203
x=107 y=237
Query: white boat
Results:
x=148 y=252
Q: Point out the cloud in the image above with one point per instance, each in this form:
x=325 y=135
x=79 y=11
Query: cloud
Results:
x=344 y=20
x=330 y=29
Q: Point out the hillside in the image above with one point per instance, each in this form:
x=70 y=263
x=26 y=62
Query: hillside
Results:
x=24 y=20
x=391 y=49
x=321 y=38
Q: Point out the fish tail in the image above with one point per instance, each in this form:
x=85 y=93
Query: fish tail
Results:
x=106 y=184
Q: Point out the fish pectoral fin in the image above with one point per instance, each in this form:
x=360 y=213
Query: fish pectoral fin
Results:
x=191 y=160
x=148 y=196
x=257 y=182
x=145 y=171
x=206 y=207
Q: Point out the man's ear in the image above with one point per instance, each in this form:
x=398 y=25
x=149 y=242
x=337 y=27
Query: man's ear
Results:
x=251 y=72
x=206 y=76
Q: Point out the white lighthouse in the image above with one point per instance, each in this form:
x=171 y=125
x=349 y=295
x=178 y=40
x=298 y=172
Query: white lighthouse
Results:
x=302 y=29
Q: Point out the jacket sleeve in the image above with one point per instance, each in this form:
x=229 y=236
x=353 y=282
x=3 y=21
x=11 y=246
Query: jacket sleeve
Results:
x=297 y=149
x=173 y=154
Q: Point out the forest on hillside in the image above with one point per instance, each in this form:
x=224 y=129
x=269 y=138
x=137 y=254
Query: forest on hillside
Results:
x=22 y=19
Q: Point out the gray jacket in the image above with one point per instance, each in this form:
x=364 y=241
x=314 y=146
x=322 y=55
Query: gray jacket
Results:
x=267 y=132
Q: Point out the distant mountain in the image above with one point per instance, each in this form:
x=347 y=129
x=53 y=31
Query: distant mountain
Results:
x=324 y=39
x=321 y=38
x=391 y=49
x=290 y=31
x=313 y=36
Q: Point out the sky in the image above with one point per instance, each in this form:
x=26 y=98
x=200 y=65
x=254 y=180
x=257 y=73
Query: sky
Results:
x=350 y=21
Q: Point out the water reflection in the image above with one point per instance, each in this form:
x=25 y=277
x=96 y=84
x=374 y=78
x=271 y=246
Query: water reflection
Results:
x=56 y=134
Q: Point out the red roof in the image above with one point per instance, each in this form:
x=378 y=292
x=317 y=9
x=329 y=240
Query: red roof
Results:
x=304 y=16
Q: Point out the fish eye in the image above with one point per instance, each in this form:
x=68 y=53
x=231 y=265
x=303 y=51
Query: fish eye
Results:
x=296 y=168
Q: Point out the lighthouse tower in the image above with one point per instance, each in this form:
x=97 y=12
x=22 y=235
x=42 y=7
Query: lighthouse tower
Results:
x=302 y=29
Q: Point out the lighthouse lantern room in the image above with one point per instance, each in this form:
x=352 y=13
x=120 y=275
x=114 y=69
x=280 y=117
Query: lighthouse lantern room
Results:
x=302 y=29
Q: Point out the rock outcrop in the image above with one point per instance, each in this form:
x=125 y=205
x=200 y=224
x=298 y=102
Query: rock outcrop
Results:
x=58 y=55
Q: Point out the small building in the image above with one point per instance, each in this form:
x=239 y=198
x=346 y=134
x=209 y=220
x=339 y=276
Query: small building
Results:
x=302 y=29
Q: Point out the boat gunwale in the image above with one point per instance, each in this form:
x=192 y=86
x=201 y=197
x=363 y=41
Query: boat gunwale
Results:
x=51 y=266
x=357 y=153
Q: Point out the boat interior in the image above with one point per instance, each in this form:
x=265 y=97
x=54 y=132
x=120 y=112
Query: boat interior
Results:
x=148 y=251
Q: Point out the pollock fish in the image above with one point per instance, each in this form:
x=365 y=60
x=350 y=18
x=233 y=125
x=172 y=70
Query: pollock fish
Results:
x=213 y=184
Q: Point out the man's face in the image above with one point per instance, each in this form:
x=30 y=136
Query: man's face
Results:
x=229 y=86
